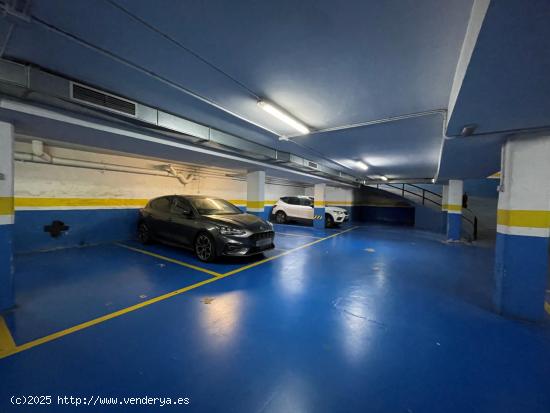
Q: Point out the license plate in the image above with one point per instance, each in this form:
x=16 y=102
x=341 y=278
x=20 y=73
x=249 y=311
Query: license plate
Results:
x=264 y=242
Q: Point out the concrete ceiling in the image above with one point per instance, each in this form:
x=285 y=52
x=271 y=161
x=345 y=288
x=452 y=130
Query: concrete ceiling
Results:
x=68 y=130
x=329 y=64
x=506 y=86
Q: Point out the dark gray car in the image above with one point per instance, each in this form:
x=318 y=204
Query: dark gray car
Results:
x=209 y=226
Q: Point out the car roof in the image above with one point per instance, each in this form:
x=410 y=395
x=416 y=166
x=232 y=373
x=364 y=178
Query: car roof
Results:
x=186 y=196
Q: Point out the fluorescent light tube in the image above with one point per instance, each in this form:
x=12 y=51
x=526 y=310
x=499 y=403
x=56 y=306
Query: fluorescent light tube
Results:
x=279 y=114
x=384 y=178
x=362 y=165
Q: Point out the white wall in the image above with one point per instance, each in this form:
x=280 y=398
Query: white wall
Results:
x=35 y=180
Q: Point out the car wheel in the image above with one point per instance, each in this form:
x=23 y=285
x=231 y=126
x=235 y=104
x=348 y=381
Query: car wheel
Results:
x=280 y=217
x=329 y=221
x=205 y=248
x=144 y=234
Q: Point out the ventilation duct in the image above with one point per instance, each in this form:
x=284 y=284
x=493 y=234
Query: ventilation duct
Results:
x=31 y=83
x=102 y=100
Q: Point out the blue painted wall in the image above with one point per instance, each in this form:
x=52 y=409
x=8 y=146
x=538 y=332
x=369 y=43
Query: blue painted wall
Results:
x=86 y=226
x=521 y=275
x=485 y=188
x=430 y=219
x=6 y=267
x=383 y=214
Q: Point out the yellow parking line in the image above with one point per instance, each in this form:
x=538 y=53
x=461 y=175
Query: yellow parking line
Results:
x=6 y=341
x=547 y=307
x=255 y=264
x=5 y=336
x=82 y=326
x=162 y=257
x=296 y=235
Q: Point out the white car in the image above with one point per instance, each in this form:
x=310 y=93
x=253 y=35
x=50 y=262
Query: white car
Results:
x=300 y=208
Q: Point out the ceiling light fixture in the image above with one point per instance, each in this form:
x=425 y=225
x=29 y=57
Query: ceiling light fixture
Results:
x=384 y=178
x=361 y=165
x=279 y=114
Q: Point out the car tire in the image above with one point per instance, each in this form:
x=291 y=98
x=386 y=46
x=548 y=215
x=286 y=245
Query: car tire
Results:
x=329 y=221
x=205 y=247
x=280 y=217
x=144 y=234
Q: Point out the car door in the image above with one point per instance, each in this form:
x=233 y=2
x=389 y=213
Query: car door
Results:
x=293 y=208
x=183 y=222
x=159 y=216
x=306 y=208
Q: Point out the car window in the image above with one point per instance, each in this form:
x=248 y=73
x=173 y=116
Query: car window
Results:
x=214 y=206
x=293 y=200
x=161 y=204
x=284 y=199
x=306 y=202
x=180 y=205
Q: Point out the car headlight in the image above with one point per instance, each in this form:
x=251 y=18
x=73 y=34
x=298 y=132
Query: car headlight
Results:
x=270 y=224
x=231 y=231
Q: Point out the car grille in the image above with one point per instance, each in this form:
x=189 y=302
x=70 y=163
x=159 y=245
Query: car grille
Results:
x=262 y=235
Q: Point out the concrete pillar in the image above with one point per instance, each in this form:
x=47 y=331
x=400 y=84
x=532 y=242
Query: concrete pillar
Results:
x=255 y=193
x=319 y=192
x=523 y=222
x=6 y=216
x=444 y=198
x=454 y=210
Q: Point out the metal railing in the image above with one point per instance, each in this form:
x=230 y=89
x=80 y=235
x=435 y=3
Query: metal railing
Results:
x=435 y=199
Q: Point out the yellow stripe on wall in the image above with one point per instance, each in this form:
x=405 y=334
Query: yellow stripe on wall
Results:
x=6 y=205
x=339 y=203
x=78 y=202
x=255 y=204
x=523 y=218
x=453 y=207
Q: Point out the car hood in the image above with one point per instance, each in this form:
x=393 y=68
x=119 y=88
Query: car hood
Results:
x=331 y=208
x=244 y=221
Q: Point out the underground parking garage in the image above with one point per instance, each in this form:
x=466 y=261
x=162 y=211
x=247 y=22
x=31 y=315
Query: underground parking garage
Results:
x=306 y=207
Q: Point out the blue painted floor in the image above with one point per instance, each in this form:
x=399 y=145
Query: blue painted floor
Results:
x=378 y=319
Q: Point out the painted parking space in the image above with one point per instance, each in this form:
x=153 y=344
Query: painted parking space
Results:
x=16 y=327
x=316 y=325
x=59 y=289
x=285 y=239
x=307 y=230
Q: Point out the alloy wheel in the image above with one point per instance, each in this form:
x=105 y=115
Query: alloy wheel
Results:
x=143 y=234
x=203 y=247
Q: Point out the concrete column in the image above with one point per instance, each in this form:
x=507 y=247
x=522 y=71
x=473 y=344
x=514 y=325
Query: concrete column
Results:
x=255 y=193
x=454 y=210
x=523 y=222
x=6 y=216
x=444 y=197
x=319 y=192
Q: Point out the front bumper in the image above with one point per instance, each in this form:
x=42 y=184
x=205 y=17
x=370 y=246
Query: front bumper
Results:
x=246 y=246
x=339 y=218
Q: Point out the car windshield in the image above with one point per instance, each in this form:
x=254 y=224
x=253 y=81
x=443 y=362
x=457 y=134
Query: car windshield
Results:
x=213 y=206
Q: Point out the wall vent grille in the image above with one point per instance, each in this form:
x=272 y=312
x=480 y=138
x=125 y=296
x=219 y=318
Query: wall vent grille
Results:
x=102 y=100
